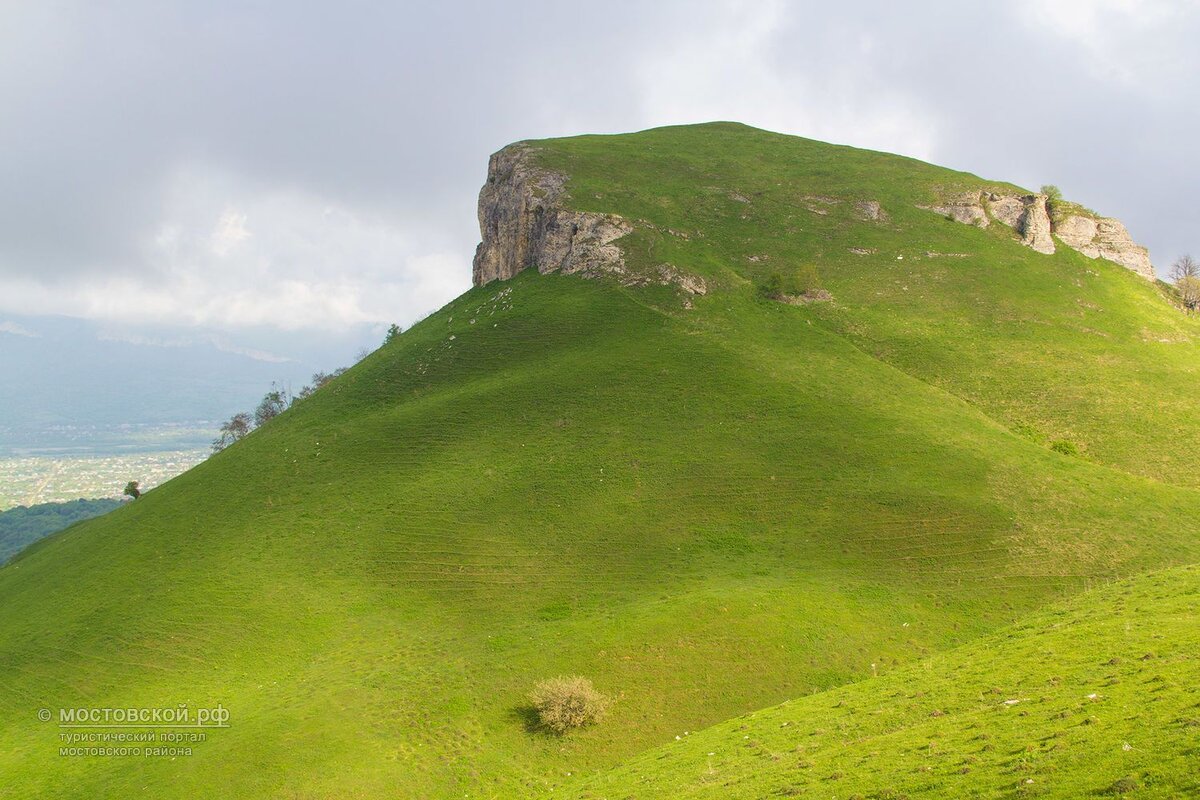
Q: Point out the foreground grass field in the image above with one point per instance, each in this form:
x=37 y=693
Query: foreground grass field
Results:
x=706 y=511
x=1095 y=697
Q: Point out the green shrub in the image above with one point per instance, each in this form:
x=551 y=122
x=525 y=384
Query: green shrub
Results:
x=772 y=287
x=1054 y=202
x=1123 y=786
x=804 y=281
x=564 y=703
x=1064 y=446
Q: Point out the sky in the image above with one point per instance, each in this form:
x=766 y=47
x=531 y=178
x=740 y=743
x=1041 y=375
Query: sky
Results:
x=239 y=167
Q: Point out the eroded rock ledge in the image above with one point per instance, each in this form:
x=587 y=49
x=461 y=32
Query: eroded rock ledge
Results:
x=1106 y=238
x=524 y=223
x=1095 y=237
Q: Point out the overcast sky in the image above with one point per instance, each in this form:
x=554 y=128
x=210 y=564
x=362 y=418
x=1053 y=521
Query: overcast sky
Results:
x=297 y=165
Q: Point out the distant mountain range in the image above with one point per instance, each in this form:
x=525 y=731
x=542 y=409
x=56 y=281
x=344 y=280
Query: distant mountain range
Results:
x=76 y=385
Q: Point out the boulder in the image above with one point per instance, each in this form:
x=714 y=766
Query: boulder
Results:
x=966 y=208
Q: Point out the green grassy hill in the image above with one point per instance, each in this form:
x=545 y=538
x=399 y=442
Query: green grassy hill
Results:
x=1095 y=697
x=706 y=510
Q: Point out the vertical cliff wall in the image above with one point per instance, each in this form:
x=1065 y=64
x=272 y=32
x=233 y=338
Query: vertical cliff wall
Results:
x=523 y=224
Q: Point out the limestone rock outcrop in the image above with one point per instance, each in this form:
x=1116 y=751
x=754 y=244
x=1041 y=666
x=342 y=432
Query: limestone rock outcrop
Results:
x=1105 y=238
x=1034 y=224
x=1079 y=233
x=1007 y=209
x=870 y=210
x=524 y=223
x=1028 y=215
x=966 y=208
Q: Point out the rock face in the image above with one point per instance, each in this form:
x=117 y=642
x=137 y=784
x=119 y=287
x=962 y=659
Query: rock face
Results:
x=1007 y=209
x=1028 y=215
x=523 y=222
x=870 y=210
x=967 y=209
x=1034 y=224
x=1079 y=233
x=1105 y=238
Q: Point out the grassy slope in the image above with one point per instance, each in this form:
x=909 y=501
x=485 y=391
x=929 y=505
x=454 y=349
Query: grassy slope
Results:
x=706 y=511
x=1067 y=704
x=1054 y=347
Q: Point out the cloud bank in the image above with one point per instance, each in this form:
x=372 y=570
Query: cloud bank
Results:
x=227 y=165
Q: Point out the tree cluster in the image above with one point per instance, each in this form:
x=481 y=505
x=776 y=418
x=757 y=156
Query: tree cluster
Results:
x=278 y=400
x=1185 y=274
x=24 y=525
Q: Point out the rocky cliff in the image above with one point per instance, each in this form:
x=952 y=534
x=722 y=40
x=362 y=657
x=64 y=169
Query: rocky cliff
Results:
x=1104 y=237
x=1028 y=215
x=524 y=223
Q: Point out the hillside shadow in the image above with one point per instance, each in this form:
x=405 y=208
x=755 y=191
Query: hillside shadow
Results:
x=526 y=715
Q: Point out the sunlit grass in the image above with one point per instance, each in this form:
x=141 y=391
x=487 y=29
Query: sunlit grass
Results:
x=702 y=511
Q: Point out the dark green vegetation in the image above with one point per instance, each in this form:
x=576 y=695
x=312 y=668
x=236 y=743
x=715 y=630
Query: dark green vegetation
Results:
x=24 y=525
x=705 y=511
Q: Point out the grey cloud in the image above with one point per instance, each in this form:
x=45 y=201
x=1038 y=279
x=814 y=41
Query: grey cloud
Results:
x=385 y=114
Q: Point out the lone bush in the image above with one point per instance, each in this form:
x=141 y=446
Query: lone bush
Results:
x=772 y=287
x=564 y=703
x=1123 y=786
x=1065 y=446
x=1054 y=202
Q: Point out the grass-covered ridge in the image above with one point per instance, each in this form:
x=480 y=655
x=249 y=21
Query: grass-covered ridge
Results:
x=1057 y=348
x=703 y=511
